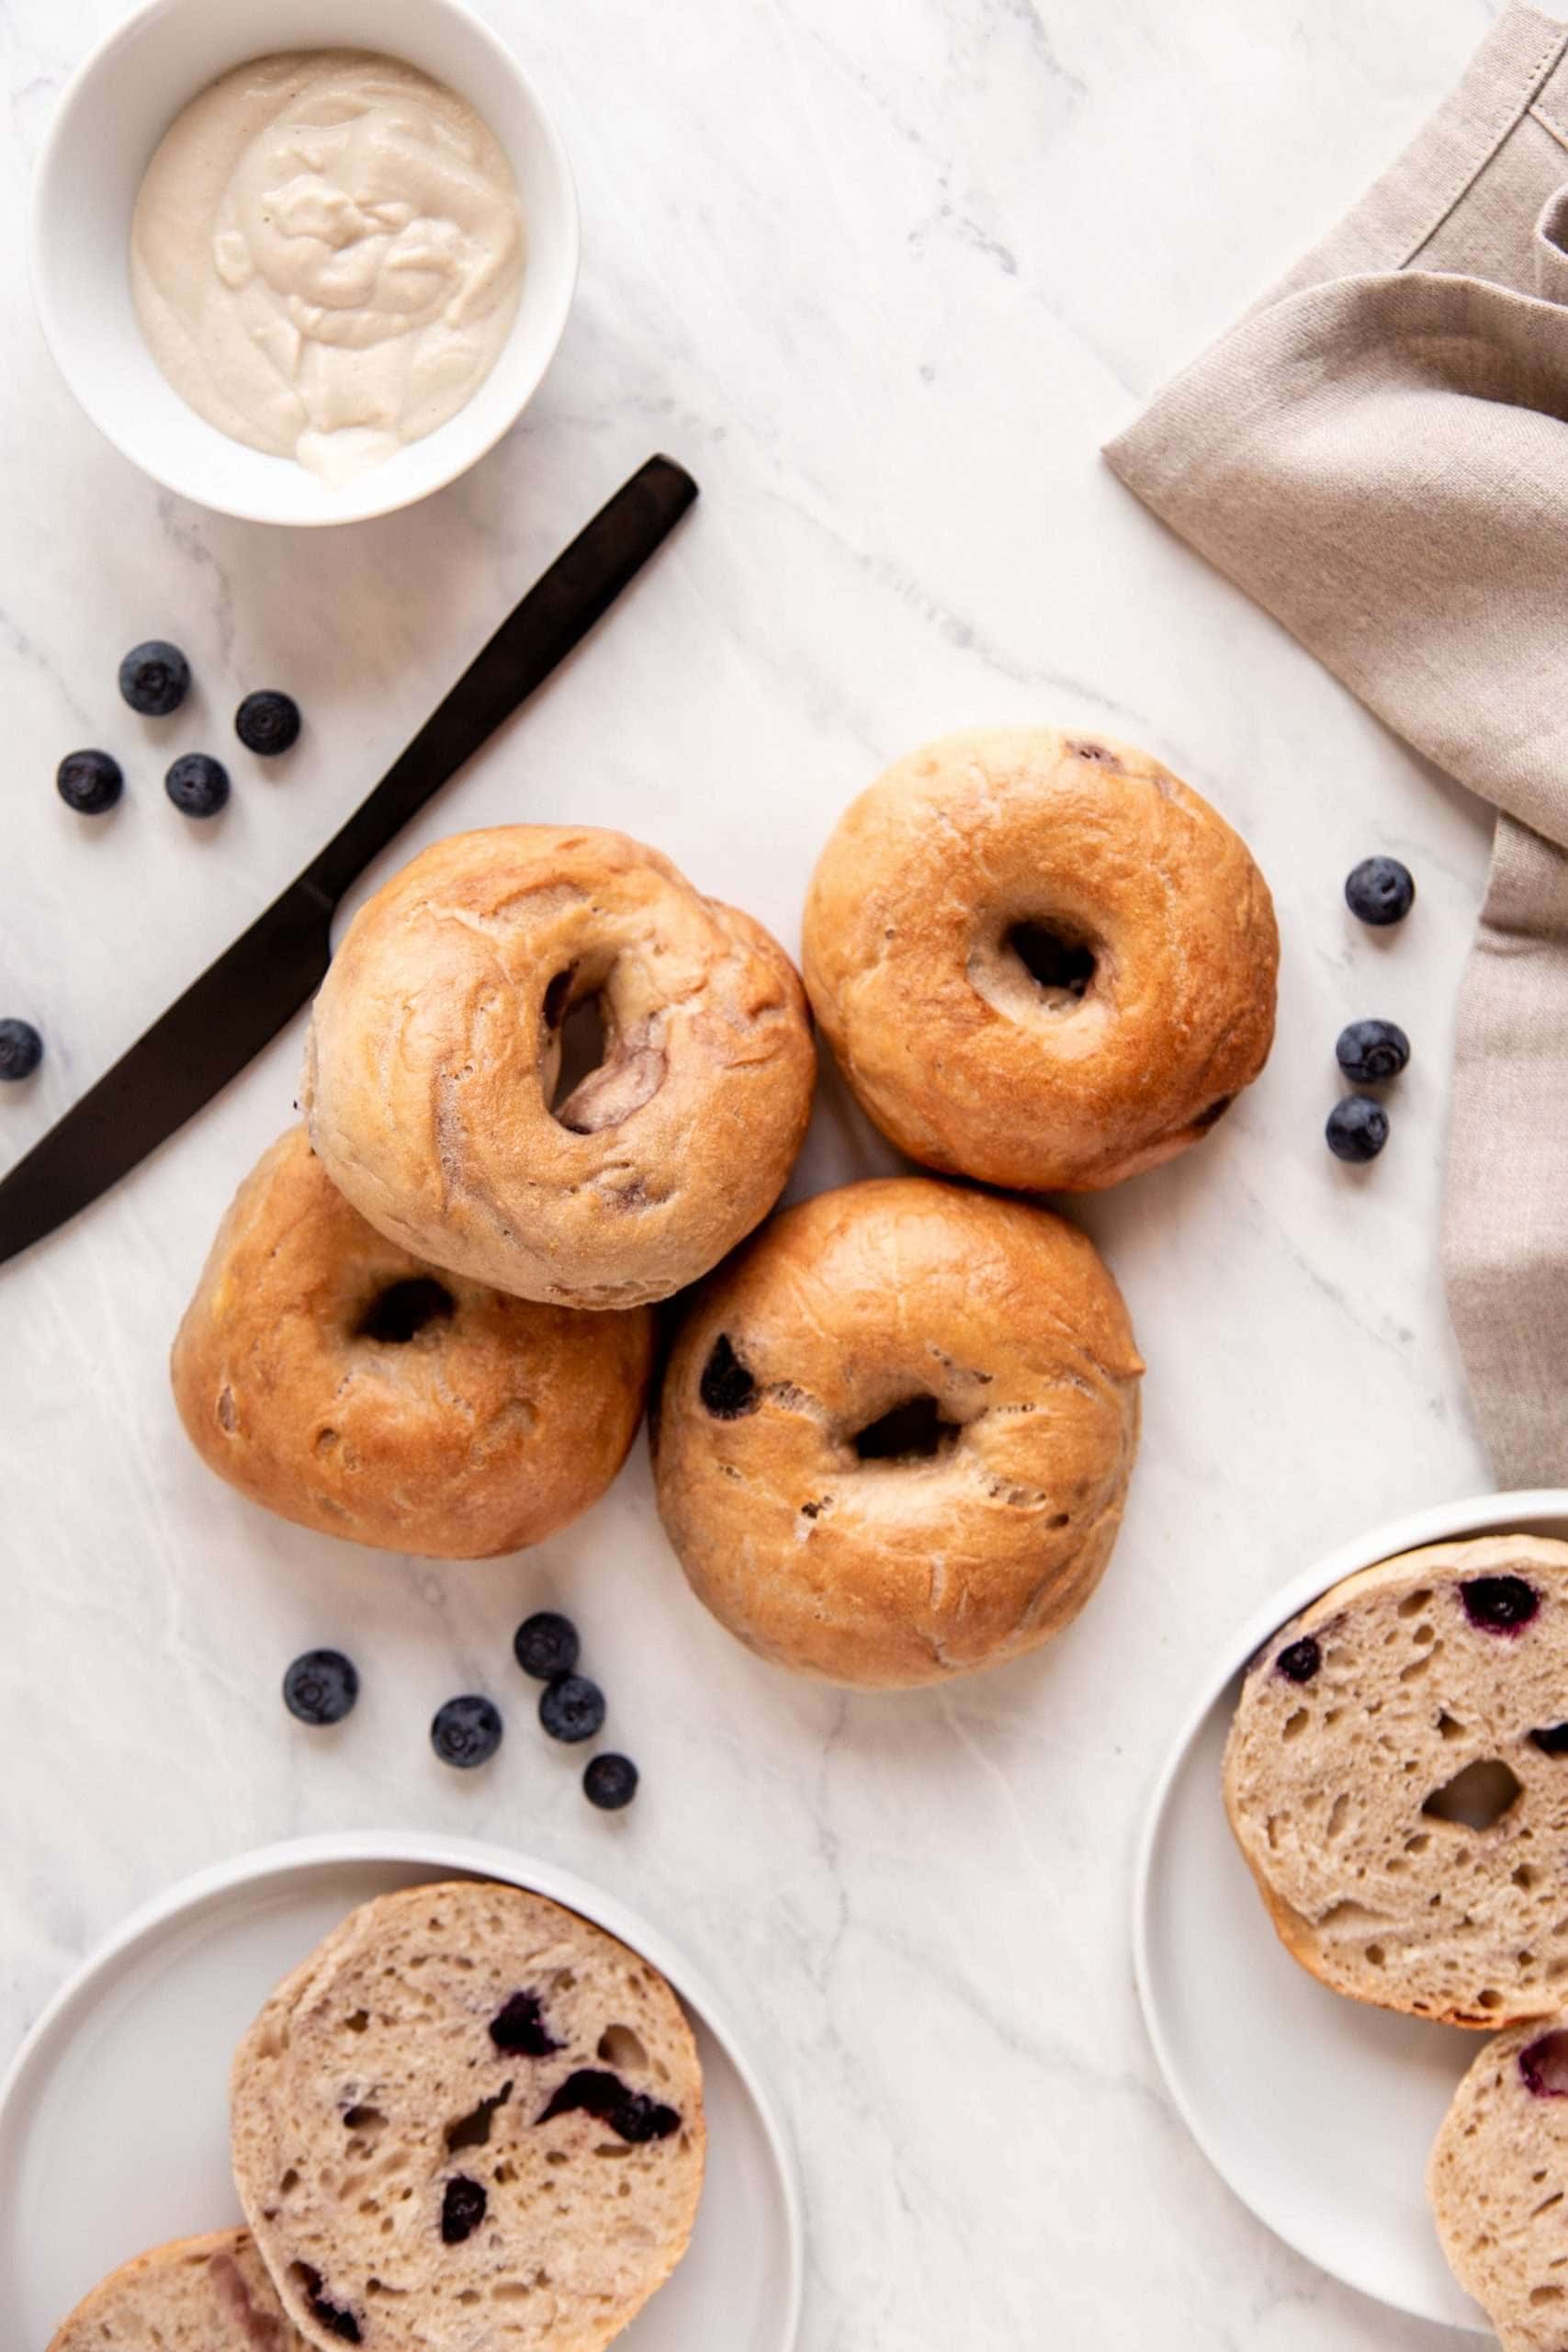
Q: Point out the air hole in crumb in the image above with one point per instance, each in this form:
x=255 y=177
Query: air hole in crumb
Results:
x=290 y=2183
x=1376 y=1955
x=227 y=1415
x=363 y=2119
x=1059 y=965
x=913 y=1431
x=620 y=2048
x=1476 y=1798
x=396 y=1315
x=472 y=2131
x=1414 y=1602
x=1449 y=1726
x=358 y=2022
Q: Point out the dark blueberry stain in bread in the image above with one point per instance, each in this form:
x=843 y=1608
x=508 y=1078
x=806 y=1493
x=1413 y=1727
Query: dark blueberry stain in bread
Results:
x=1499 y=1604
x=632 y=2115
x=462 y=2210
x=519 y=2028
x=727 y=1389
x=1544 y=2065
x=324 y=2311
x=1553 y=1740
x=1299 y=1661
x=472 y=2131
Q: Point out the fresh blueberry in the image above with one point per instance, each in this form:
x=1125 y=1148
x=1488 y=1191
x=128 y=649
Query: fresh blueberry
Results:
x=320 y=1687
x=1499 y=1604
x=1380 y=891
x=466 y=1732
x=268 y=723
x=546 y=1644
x=462 y=2210
x=21 y=1049
x=1300 y=1660
x=89 y=782
x=198 y=785
x=572 y=1708
x=610 y=1782
x=154 y=678
x=1357 y=1128
x=1370 y=1051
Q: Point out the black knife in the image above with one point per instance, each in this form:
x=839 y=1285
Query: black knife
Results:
x=209 y=1033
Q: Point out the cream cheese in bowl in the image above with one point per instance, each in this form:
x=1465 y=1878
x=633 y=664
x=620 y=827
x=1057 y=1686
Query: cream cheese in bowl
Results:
x=326 y=254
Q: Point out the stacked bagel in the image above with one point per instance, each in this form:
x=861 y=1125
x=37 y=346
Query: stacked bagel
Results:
x=419 y=2116
x=894 y=1431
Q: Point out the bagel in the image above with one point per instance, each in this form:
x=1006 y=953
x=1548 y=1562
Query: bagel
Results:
x=359 y=1390
x=434 y=1050
x=894 y=1437
x=1042 y=961
x=209 y=2294
x=1497 y=2181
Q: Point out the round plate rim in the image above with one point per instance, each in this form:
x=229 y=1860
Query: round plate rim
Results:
x=475 y=1857
x=1488 y=1514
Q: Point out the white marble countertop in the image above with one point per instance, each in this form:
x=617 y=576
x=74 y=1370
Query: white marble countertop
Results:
x=884 y=276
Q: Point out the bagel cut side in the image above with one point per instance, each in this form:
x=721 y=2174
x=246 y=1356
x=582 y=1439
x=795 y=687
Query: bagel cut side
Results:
x=1396 y=1776
x=207 y=2294
x=1498 y=2183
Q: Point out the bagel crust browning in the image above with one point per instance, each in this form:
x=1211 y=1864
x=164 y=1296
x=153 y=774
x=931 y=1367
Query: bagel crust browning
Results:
x=435 y=1049
x=492 y=1424
x=985 y=848
x=970 y=1526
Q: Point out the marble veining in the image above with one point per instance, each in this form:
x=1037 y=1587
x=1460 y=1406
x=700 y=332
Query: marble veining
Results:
x=884 y=276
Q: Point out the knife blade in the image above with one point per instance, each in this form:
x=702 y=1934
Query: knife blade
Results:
x=225 y=1018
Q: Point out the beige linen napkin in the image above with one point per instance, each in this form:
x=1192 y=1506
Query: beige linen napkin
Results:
x=1378 y=454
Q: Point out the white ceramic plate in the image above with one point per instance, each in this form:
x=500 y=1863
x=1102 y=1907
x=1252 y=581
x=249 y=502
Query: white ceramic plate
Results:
x=1319 y=2112
x=114 y=2120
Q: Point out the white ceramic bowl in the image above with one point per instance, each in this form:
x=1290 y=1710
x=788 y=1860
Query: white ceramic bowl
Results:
x=1318 y=2112
x=111 y=118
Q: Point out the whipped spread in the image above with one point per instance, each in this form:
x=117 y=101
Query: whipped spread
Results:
x=325 y=255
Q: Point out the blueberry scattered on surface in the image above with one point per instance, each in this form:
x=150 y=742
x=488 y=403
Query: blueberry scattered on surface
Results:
x=518 y=2027
x=546 y=1644
x=462 y=2210
x=21 y=1049
x=466 y=1732
x=89 y=782
x=1379 y=891
x=1299 y=1661
x=320 y=1687
x=267 y=722
x=572 y=1708
x=1370 y=1051
x=154 y=678
x=610 y=1782
x=198 y=784
x=1357 y=1128
x=1553 y=1740
x=1499 y=1604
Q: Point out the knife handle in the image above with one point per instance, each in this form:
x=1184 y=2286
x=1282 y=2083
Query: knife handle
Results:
x=555 y=615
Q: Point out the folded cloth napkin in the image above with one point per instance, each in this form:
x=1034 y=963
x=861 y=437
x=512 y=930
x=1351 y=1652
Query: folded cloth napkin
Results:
x=1379 y=453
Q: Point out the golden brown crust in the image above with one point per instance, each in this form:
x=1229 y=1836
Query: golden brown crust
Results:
x=434 y=1046
x=493 y=1425
x=895 y=1572
x=967 y=1062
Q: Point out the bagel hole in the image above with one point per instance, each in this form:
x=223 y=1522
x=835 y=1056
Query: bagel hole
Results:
x=913 y=1431
x=584 y=1040
x=398 y=1314
x=1059 y=965
x=1476 y=1798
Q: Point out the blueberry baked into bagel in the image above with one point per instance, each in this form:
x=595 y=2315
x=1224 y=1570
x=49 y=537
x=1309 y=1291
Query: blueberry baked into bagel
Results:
x=1396 y=1776
x=468 y=2117
x=894 y=1438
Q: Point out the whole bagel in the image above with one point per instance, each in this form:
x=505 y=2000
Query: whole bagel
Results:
x=435 y=1049
x=357 y=1390
x=895 y=1434
x=1042 y=960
